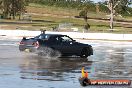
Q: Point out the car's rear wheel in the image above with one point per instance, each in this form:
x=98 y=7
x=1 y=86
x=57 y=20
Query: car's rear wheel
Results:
x=22 y=48
x=84 y=53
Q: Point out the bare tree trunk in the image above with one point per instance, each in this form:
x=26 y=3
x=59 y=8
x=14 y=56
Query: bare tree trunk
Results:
x=86 y=26
x=111 y=16
x=19 y=16
x=13 y=15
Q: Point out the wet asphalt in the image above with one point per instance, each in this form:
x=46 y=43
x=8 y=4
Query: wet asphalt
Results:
x=111 y=60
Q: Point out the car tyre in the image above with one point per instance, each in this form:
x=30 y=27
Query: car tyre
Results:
x=84 y=53
x=21 y=48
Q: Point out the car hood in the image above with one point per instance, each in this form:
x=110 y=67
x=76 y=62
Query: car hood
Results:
x=82 y=44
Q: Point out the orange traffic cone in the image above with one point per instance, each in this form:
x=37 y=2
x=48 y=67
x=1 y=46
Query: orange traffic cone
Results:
x=86 y=74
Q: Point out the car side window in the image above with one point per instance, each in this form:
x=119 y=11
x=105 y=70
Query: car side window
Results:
x=66 y=39
x=42 y=37
x=53 y=39
x=58 y=39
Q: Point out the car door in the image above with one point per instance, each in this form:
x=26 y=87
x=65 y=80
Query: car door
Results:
x=54 y=43
x=67 y=45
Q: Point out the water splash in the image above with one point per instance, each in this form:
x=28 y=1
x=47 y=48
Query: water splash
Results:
x=49 y=53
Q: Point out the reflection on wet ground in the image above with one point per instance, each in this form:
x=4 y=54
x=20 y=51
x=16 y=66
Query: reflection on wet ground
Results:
x=53 y=70
x=111 y=60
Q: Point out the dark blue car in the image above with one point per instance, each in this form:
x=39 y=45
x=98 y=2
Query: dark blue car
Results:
x=61 y=43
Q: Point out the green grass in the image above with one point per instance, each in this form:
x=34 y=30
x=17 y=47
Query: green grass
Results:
x=58 y=15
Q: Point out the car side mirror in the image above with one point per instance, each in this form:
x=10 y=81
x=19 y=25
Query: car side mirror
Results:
x=74 y=40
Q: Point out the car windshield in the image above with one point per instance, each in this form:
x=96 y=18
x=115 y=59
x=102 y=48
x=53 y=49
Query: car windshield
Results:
x=42 y=36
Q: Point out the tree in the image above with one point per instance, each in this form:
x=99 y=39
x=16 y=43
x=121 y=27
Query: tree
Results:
x=83 y=14
x=116 y=7
x=120 y=6
x=5 y=7
x=13 y=7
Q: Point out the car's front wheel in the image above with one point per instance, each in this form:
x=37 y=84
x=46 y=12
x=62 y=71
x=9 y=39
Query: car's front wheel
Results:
x=84 y=53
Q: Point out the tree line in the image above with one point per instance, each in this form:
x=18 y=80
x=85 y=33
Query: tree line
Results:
x=122 y=7
x=13 y=8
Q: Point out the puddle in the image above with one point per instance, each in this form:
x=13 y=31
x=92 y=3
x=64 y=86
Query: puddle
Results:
x=24 y=70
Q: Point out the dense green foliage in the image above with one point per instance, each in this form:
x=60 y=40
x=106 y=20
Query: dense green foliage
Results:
x=12 y=8
x=78 y=4
x=121 y=8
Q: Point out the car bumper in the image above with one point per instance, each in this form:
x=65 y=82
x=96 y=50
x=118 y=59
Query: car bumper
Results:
x=90 y=50
x=27 y=48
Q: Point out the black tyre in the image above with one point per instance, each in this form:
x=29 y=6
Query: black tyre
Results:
x=21 y=48
x=84 y=53
x=84 y=81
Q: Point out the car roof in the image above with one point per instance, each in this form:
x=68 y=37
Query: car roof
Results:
x=54 y=34
x=50 y=35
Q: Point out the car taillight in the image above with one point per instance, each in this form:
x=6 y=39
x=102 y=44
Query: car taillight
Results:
x=22 y=43
x=36 y=44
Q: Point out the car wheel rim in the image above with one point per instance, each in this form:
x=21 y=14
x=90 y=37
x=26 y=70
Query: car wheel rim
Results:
x=84 y=53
